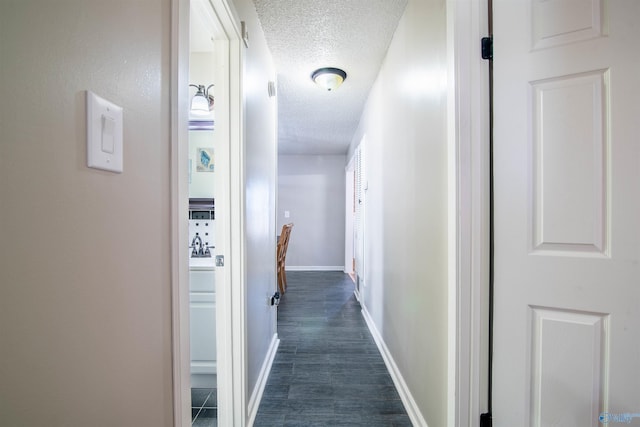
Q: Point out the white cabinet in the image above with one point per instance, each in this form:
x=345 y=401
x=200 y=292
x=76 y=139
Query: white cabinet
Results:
x=202 y=299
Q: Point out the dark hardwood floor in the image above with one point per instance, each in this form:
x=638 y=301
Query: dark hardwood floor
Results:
x=328 y=370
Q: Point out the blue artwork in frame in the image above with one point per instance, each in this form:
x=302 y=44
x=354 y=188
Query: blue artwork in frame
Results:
x=204 y=162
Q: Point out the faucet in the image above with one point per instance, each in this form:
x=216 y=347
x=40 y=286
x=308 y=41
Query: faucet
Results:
x=200 y=250
x=196 y=253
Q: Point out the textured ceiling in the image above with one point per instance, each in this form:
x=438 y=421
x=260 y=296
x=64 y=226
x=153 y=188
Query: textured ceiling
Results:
x=304 y=35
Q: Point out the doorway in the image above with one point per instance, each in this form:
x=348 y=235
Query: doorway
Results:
x=350 y=219
x=355 y=212
x=224 y=141
x=204 y=142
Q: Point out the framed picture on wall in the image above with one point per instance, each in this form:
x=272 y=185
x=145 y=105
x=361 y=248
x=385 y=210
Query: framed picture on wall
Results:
x=204 y=162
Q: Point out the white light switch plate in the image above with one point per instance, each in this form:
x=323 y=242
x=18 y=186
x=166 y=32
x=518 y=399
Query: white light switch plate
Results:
x=104 y=134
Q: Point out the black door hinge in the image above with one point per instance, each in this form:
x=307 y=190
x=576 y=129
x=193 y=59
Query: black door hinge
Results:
x=487 y=48
x=485 y=420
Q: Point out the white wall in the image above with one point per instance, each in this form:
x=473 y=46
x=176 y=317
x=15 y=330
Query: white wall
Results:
x=260 y=174
x=406 y=225
x=84 y=254
x=312 y=189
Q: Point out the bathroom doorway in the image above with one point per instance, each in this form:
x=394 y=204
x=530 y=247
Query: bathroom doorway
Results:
x=206 y=65
x=205 y=140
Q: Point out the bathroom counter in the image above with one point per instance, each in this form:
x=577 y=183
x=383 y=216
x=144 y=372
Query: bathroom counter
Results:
x=196 y=264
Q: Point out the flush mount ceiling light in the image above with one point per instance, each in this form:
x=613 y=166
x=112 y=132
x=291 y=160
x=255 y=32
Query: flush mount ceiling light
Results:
x=328 y=78
x=202 y=101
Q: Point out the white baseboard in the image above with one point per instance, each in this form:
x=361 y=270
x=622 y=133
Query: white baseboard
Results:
x=256 y=395
x=314 y=268
x=405 y=394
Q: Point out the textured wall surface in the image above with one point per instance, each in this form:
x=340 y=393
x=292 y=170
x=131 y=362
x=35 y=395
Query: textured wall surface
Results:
x=85 y=319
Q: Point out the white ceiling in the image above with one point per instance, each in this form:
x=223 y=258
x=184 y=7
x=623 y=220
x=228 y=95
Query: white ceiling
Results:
x=304 y=35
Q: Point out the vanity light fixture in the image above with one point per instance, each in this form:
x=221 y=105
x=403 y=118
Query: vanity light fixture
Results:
x=202 y=101
x=329 y=78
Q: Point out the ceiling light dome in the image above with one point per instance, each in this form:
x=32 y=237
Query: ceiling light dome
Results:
x=329 y=78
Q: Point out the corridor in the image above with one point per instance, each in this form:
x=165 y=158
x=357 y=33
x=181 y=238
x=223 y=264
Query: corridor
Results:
x=328 y=370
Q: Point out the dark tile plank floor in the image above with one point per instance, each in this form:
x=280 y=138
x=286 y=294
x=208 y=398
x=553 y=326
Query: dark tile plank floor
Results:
x=328 y=370
x=204 y=412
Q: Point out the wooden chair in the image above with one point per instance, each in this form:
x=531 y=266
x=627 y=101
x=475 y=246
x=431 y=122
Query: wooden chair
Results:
x=281 y=254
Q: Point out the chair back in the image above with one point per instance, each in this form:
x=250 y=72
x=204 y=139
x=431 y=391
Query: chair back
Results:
x=281 y=255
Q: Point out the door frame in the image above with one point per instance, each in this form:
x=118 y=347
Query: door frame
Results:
x=349 y=173
x=360 y=224
x=230 y=310
x=469 y=210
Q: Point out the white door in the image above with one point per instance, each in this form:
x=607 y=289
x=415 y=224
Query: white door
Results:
x=567 y=213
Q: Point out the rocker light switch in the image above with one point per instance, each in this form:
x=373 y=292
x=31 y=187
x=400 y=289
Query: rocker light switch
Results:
x=104 y=134
x=108 y=131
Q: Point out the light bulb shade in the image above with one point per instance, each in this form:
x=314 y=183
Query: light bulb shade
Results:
x=328 y=78
x=202 y=102
x=200 y=105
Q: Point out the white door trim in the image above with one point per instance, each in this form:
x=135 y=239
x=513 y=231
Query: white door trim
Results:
x=230 y=297
x=349 y=214
x=178 y=211
x=468 y=129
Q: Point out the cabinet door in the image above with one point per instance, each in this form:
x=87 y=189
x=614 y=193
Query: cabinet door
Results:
x=202 y=280
x=203 y=332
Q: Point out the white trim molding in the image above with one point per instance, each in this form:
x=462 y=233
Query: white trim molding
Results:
x=263 y=376
x=315 y=268
x=178 y=211
x=468 y=129
x=417 y=419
